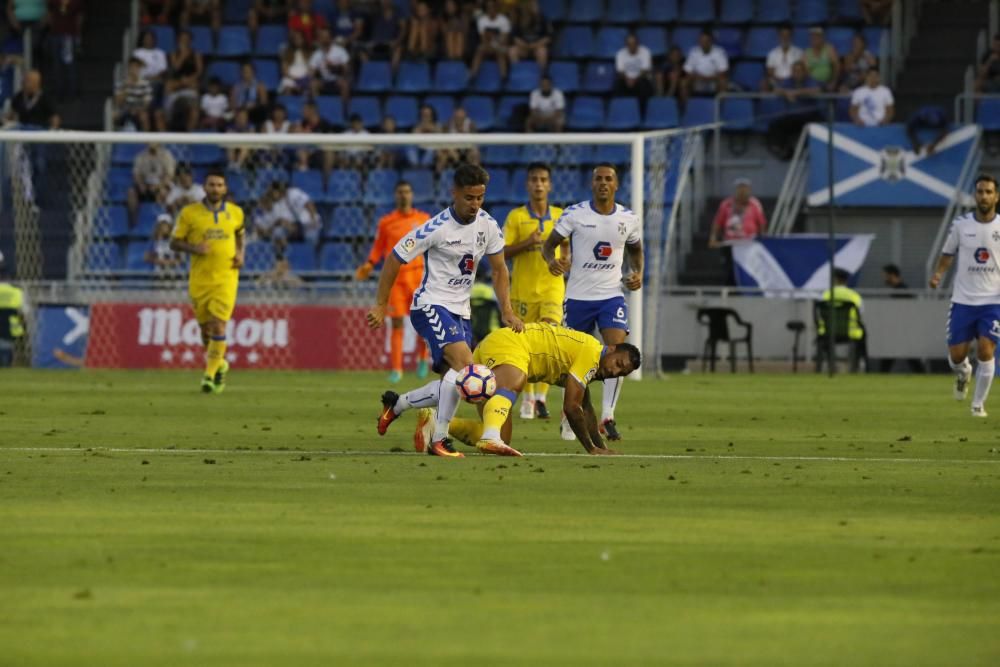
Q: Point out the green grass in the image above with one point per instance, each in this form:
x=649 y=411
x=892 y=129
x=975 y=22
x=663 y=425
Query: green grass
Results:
x=793 y=521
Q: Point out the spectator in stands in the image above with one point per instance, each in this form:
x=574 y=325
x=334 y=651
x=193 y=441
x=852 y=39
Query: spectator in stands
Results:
x=304 y=20
x=295 y=77
x=280 y=276
x=159 y=253
x=546 y=108
x=876 y=12
x=855 y=329
x=670 y=77
x=798 y=91
x=287 y=215
x=267 y=12
x=385 y=41
x=988 y=77
x=532 y=35
x=180 y=106
x=330 y=66
x=426 y=124
x=313 y=123
x=930 y=117
x=872 y=104
x=634 y=67
x=494 y=38
x=781 y=58
x=390 y=157
x=31 y=106
x=459 y=123
x=215 y=106
x=65 y=22
x=237 y=156
x=133 y=97
x=278 y=122
x=152 y=176
x=856 y=63
x=183 y=191
x=422 y=32
x=153 y=58
x=23 y=14
x=201 y=12
x=347 y=24
x=156 y=11
x=249 y=93
x=455 y=25
x=821 y=60
x=707 y=68
x=738 y=218
x=354 y=158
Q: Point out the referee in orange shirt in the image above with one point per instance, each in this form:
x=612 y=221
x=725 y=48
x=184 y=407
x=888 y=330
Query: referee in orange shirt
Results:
x=391 y=228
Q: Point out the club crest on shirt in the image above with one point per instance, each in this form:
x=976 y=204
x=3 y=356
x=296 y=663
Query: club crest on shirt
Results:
x=480 y=239
x=621 y=229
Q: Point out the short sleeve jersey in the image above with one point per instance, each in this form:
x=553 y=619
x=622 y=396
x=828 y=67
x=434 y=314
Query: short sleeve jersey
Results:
x=976 y=246
x=530 y=280
x=557 y=353
x=451 y=251
x=597 y=247
x=198 y=223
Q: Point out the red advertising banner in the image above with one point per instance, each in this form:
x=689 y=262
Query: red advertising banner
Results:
x=138 y=335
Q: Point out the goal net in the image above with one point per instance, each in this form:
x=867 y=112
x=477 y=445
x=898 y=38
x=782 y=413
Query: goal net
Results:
x=86 y=219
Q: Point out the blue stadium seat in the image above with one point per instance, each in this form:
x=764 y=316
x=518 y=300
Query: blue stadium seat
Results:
x=625 y=11
x=811 y=12
x=699 y=111
x=368 y=108
x=685 y=38
x=375 y=76
x=800 y=37
x=586 y=113
x=500 y=187
x=346 y=221
x=524 y=77
x=414 y=76
x=586 y=11
x=873 y=38
x=599 y=77
x=576 y=154
x=653 y=38
x=773 y=11
x=480 y=109
x=566 y=185
x=660 y=11
x=310 y=182
x=234 y=41
x=443 y=105
x=422 y=181
x=623 y=114
x=379 y=186
x=737 y=114
x=119 y=181
x=767 y=110
x=575 y=41
x=731 y=40
x=125 y=153
x=344 y=187
x=988 y=114
x=553 y=10
x=736 y=11
x=102 y=257
x=506 y=110
x=239 y=187
x=236 y=11
x=849 y=11
x=111 y=222
x=337 y=257
x=443 y=191
x=614 y=153
x=500 y=212
x=145 y=219
x=450 y=76
x=759 y=42
x=258 y=257
x=331 y=109
x=228 y=71
x=293 y=104
x=538 y=153
x=404 y=109
x=270 y=39
x=267 y=175
x=487 y=79
x=697 y=11
x=201 y=39
x=747 y=74
x=610 y=39
x=135 y=256
x=501 y=156
x=565 y=76
x=301 y=257
x=166 y=38
x=840 y=38
x=268 y=72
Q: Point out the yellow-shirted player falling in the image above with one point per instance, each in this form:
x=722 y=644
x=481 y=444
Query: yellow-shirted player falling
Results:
x=536 y=294
x=211 y=231
x=541 y=353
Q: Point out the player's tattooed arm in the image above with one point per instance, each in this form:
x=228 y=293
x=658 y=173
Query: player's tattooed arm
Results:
x=390 y=269
x=943 y=264
x=580 y=415
x=240 y=255
x=633 y=280
x=557 y=266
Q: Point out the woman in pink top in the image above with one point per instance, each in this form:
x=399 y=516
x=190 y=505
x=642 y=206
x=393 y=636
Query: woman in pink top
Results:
x=739 y=217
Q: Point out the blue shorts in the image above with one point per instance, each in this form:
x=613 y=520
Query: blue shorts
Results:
x=607 y=314
x=440 y=327
x=966 y=323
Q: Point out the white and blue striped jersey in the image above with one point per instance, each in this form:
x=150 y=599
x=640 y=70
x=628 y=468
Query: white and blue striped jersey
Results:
x=976 y=246
x=451 y=251
x=597 y=243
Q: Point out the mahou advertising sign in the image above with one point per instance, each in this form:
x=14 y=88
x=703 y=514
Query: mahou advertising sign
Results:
x=133 y=335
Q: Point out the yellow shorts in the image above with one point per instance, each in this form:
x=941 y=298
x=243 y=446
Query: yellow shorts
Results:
x=537 y=311
x=216 y=304
x=503 y=346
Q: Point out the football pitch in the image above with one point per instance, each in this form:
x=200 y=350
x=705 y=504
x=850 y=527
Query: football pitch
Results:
x=758 y=520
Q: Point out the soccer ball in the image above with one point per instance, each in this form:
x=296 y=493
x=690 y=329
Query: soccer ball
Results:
x=476 y=383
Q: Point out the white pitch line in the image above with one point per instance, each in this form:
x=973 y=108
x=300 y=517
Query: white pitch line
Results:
x=565 y=455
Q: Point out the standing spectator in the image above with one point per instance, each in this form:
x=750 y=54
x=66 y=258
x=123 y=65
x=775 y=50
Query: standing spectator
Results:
x=386 y=38
x=347 y=24
x=739 y=217
x=422 y=32
x=707 y=68
x=201 y=12
x=427 y=123
x=65 y=19
x=455 y=26
x=214 y=106
x=312 y=123
x=180 y=104
x=183 y=191
x=856 y=63
x=249 y=93
x=798 y=91
x=634 y=65
x=876 y=12
x=670 y=78
x=781 y=58
x=304 y=20
x=159 y=253
x=532 y=35
x=133 y=97
x=988 y=77
x=159 y=12
x=459 y=123
x=821 y=60
x=295 y=79
x=152 y=176
x=872 y=104
x=287 y=215
x=330 y=66
x=494 y=35
x=153 y=58
x=267 y=12
x=930 y=117
x=546 y=108
x=31 y=106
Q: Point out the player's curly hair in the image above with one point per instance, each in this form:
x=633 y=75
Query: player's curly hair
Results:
x=634 y=356
x=467 y=175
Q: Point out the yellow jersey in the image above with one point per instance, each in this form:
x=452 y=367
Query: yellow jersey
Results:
x=530 y=279
x=198 y=223
x=545 y=352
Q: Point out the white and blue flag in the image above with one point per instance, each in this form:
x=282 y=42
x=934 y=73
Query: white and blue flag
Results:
x=796 y=265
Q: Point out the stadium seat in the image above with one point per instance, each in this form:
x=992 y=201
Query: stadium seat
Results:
x=576 y=154
x=422 y=181
x=840 y=38
x=800 y=37
x=500 y=187
x=500 y=212
x=487 y=79
x=301 y=257
x=293 y=105
x=586 y=11
x=747 y=74
x=737 y=114
x=267 y=175
x=653 y=38
x=368 y=108
x=344 y=187
x=553 y=10
x=111 y=222
x=102 y=257
x=442 y=194
x=599 y=77
x=613 y=153
x=685 y=38
x=610 y=39
x=268 y=72
x=235 y=11
x=988 y=114
x=228 y=71
x=524 y=77
x=234 y=41
x=697 y=11
x=258 y=257
x=201 y=39
x=501 y=156
x=624 y=11
x=849 y=11
x=759 y=42
x=811 y=12
x=413 y=77
x=337 y=257
x=730 y=38
x=623 y=114
x=767 y=110
x=735 y=11
x=480 y=109
x=443 y=105
x=699 y=111
x=773 y=11
x=346 y=222
x=539 y=153
x=450 y=76
x=135 y=256
x=873 y=38
x=331 y=109
x=565 y=76
x=509 y=116
x=379 y=186
x=119 y=182
x=375 y=76
x=660 y=11
x=403 y=109
x=310 y=182
x=125 y=153
x=586 y=113
x=145 y=219
x=239 y=187
x=166 y=38
x=566 y=185
x=270 y=39
x=574 y=41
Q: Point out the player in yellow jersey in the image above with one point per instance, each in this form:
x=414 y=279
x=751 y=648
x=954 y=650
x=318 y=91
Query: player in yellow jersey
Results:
x=542 y=353
x=536 y=294
x=211 y=231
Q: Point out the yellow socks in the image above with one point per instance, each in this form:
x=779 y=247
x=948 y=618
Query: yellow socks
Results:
x=215 y=356
x=541 y=391
x=467 y=431
x=495 y=413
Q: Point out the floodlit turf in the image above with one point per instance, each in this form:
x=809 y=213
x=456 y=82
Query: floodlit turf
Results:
x=793 y=521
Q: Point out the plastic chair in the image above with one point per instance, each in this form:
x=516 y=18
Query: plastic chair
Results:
x=422 y=182
x=599 y=77
x=135 y=257
x=450 y=76
x=413 y=77
x=811 y=12
x=346 y=222
x=747 y=74
x=258 y=257
x=759 y=42
x=310 y=182
x=660 y=11
x=268 y=72
x=737 y=114
x=379 y=186
x=586 y=11
x=735 y=11
x=576 y=42
x=111 y=222
x=717 y=320
x=368 y=108
x=624 y=11
x=487 y=79
x=234 y=41
x=524 y=77
x=773 y=11
x=331 y=109
x=227 y=71
x=403 y=109
x=697 y=11
x=553 y=10
x=623 y=114
x=480 y=110
x=842 y=313
x=337 y=257
x=661 y=113
x=653 y=38
x=699 y=111
x=565 y=76
x=796 y=327
x=166 y=38
x=270 y=39
x=375 y=76
x=586 y=113
x=610 y=39
x=344 y=187
x=685 y=38
x=201 y=39
x=301 y=257
x=443 y=105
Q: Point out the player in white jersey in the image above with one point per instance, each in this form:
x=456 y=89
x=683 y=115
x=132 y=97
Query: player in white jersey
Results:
x=975 y=299
x=600 y=232
x=452 y=243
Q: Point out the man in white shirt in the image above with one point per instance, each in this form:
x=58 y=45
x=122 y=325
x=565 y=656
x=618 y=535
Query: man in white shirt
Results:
x=634 y=67
x=872 y=104
x=781 y=58
x=287 y=214
x=494 y=38
x=184 y=191
x=975 y=297
x=707 y=68
x=547 y=108
x=330 y=66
